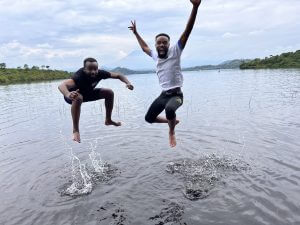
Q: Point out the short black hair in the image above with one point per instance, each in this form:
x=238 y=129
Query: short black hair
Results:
x=162 y=34
x=89 y=60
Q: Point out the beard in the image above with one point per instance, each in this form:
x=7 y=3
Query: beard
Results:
x=162 y=52
x=91 y=74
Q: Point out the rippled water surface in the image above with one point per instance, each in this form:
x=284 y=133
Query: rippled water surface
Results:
x=237 y=159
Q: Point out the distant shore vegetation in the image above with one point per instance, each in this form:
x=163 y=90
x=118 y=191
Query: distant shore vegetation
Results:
x=283 y=61
x=26 y=74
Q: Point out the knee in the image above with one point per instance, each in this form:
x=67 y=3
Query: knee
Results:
x=149 y=118
x=109 y=93
x=78 y=100
x=170 y=113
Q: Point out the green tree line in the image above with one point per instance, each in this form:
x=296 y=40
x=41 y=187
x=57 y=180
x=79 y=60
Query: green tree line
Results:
x=25 y=74
x=285 y=60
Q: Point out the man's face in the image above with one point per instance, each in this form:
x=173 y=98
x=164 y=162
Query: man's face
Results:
x=91 y=68
x=162 y=44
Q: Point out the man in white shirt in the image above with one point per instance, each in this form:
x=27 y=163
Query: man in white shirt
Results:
x=169 y=73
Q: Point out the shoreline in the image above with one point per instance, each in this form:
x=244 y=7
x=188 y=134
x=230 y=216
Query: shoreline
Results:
x=61 y=75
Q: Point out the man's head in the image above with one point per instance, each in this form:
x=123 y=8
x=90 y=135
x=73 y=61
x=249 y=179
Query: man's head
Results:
x=90 y=66
x=162 y=44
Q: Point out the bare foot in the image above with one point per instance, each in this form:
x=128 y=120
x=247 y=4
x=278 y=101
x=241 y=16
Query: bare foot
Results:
x=76 y=136
x=111 y=122
x=172 y=140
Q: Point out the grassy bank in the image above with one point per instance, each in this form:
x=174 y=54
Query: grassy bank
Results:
x=14 y=76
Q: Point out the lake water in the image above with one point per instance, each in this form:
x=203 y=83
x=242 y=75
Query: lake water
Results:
x=237 y=160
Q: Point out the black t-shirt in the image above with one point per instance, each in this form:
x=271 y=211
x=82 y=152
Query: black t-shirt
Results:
x=85 y=83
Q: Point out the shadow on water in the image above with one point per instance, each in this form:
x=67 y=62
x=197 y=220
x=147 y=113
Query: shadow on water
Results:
x=171 y=213
x=115 y=214
x=201 y=176
x=112 y=213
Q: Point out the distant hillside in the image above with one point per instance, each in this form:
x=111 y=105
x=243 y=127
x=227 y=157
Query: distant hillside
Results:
x=230 y=64
x=126 y=71
x=285 y=60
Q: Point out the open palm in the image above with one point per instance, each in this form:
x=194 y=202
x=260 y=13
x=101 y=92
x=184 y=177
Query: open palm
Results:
x=133 y=27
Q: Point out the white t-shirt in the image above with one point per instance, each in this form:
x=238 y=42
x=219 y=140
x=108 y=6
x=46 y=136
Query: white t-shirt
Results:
x=168 y=70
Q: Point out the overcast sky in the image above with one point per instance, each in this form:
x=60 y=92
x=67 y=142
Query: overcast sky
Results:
x=62 y=33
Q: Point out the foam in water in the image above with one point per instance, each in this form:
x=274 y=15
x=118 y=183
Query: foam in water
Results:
x=202 y=175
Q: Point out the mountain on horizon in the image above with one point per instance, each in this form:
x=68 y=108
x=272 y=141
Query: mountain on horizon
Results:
x=229 y=64
x=136 y=60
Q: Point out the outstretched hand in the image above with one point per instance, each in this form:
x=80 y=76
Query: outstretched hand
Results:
x=196 y=2
x=133 y=27
x=129 y=86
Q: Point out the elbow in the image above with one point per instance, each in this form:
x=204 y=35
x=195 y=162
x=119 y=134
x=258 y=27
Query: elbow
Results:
x=119 y=76
x=61 y=86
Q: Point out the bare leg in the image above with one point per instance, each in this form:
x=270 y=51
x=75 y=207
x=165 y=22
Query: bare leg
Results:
x=160 y=119
x=75 y=111
x=171 y=107
x=172 y=138
x=108 y=95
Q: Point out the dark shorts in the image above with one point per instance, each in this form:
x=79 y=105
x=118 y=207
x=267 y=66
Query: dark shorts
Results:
x=169 y=101
x=89 y=97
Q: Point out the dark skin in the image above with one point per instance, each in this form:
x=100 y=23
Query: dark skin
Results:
x=91 y=69
x=162 y=44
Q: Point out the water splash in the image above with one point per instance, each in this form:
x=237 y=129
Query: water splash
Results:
x=85 y=176
x=202 y=175
x=97 y=163
x=82 y=182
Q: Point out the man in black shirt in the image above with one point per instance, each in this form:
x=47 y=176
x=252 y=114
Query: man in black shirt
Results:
x=82 y=88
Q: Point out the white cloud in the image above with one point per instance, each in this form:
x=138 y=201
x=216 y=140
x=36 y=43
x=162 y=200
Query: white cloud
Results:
x=70 y=30
x=122 y=54
x=44 y=45
x=256 y=32
x=229 y=35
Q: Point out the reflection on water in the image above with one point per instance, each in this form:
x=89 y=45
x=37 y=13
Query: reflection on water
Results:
x=237 y=154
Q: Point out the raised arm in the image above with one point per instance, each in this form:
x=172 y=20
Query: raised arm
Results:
x=189 y=27
x=142 y=43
